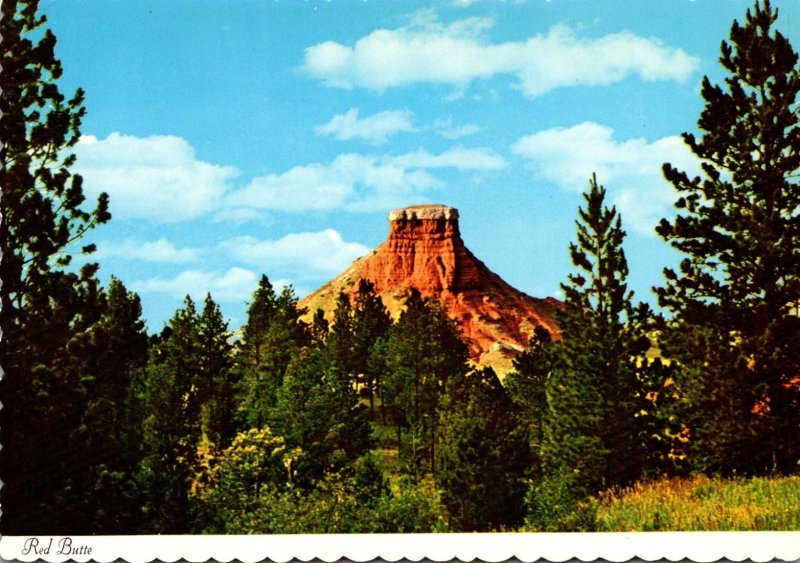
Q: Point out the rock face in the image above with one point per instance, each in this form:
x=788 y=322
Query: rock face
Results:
x=425 y=251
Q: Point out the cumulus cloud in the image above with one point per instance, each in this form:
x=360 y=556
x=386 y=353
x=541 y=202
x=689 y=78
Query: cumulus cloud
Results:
x=309 y=253
x=630 y=169
x=356 y=182
x=160 y=250
x=460 y=158
x=322 y=187
x=234 y=285
x=446 y=129
x=427 y=51
x=375 y=129
x=238 y=215
x=158 y=178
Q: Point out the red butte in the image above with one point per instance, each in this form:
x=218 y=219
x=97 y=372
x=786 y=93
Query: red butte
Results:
x=425 y=251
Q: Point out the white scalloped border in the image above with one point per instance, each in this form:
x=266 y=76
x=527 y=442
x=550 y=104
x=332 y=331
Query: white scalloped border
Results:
x=696 y=546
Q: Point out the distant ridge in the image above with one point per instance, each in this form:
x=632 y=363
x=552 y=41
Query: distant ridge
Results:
x=425 y=251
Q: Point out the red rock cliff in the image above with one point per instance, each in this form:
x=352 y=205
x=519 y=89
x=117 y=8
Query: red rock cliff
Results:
x=425 y=251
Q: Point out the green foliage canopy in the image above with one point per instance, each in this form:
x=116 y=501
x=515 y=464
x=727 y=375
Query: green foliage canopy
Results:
x=591 y=435
x=735 y=296
x=47 y=309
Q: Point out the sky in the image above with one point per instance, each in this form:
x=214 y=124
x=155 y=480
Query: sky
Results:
x=250 y=137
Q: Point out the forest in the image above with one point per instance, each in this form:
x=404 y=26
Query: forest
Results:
x=368 y=424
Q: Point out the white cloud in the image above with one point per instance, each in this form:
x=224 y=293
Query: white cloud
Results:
x=158 y=178
x=458 y=54
x=446 y=129
x=160 y=250
x=459 y=158
x=356 y=182
x=375 y=129
x=233 y=285
x=238 y=215
x=310 y=253
x=561 y=59
x=313 y=187
x=630 y=170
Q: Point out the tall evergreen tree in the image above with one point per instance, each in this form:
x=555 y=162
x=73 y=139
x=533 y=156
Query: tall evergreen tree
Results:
x=111 y=425
x=272 y=335
x=319 y=327
x=187 y=402
x=319 y=412
x=735 y=295
x=260 y=315
x=371 y=322
x=357 y=326
x=421 y=352
x=526 y=386
x=171 y=405
x=484 y=456
x=591 y=438
x=340 y=341
x=216 y=376
x=47 y=310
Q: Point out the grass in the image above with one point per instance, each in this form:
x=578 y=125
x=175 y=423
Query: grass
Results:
x=700 y=503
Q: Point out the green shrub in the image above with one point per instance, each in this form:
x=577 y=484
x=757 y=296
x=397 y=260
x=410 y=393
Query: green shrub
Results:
x=556 y=505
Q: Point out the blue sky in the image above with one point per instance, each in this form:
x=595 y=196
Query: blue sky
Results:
x=263 y=136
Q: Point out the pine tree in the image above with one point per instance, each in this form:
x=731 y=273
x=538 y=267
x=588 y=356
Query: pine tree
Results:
x=357 y=326
x=340 y=341
x=319 y=412
x=111 y=425
x=171 y=405
x=216 y=376
x=736 y=329
x=526 y=386
x=371 y=322
x=319 y=327
x=260 y=315
x=47 y=309
x=421 y=352
x=188 y=405
x=484 y=456
x=272 y=335
x=591 y=437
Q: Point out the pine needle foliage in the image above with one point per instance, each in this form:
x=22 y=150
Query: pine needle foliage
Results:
x=591 y=435
x=272 y=336
x=47 y=308
x=422 y=351
x=735 y=295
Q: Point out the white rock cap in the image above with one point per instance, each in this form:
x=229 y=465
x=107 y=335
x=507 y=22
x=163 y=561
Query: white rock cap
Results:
x=429 y=211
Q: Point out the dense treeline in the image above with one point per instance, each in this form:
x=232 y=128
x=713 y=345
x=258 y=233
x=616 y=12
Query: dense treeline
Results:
x=369 y=424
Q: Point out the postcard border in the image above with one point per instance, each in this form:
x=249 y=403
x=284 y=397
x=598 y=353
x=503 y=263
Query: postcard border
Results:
x=557 y=547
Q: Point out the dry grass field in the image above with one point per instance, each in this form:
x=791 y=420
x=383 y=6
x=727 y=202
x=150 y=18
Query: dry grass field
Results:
x=701 y=503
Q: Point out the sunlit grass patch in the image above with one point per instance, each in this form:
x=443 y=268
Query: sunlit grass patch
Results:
x=701 y=503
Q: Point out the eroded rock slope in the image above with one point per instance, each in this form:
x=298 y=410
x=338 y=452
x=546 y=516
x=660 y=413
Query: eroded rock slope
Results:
x=424 y=250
